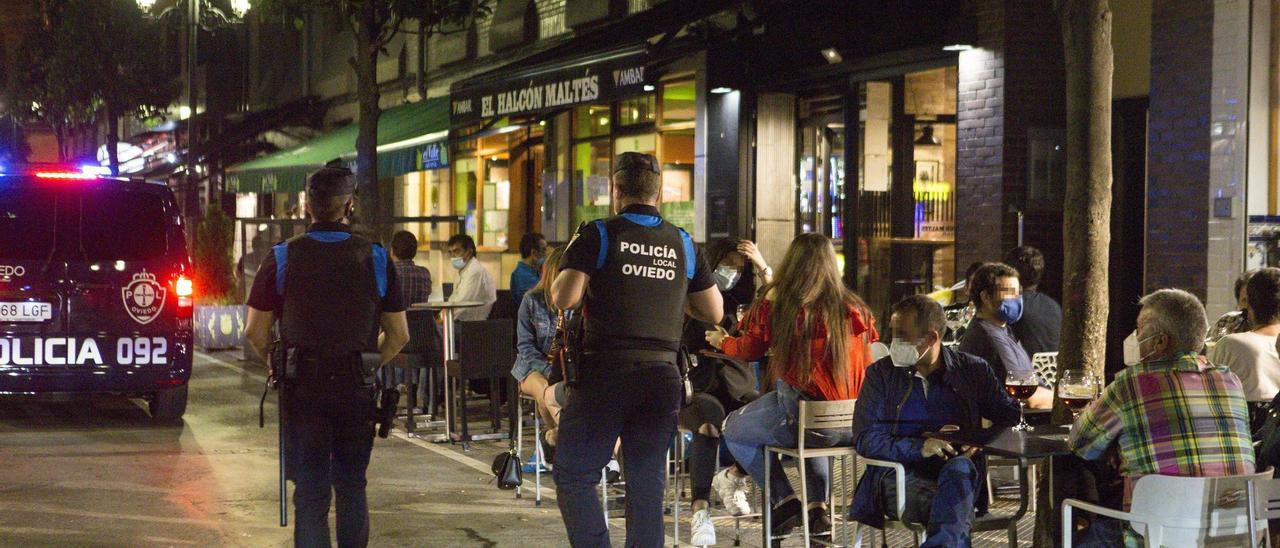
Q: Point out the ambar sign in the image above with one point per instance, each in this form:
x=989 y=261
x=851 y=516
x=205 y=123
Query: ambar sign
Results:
x=603 y=81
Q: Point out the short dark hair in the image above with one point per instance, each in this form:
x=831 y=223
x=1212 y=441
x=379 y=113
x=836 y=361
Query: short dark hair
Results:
x=637 y=176
x=404 y=244
x=985 y=280
x=1263 y=291
x=973 y=267
x=926 y=314
x=529 y=243
x=1241 y=281
x=464 y=240
x=329 y=208
x=1029 y=262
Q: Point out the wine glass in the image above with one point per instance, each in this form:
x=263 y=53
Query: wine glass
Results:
x=1021 y=385
x=1076 y=389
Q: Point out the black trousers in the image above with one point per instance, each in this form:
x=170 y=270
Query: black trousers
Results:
x=639 y=404
x=329 y=423
x=706 y=408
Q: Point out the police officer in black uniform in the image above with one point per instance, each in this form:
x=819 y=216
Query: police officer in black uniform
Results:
x=632 y=275
x=331 y=290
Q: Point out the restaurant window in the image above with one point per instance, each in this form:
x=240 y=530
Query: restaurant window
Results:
x=679 y=102
x=482 y=188
x=820 y=188
x=591 y=121
x=906 y=168
x=637 y=111
x=591 y=161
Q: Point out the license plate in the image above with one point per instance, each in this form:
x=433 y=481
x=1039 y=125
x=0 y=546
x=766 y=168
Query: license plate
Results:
x=25 y=312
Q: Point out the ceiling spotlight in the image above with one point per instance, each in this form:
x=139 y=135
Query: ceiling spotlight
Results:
x=957 y=47
x=721 y=90
x=832 y=55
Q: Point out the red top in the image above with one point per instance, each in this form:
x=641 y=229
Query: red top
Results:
x=757 y=336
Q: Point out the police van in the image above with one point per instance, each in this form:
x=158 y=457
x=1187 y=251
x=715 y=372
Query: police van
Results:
x=95 y=288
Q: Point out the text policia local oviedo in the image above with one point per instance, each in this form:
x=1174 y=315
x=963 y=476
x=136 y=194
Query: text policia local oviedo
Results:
x=663 y=261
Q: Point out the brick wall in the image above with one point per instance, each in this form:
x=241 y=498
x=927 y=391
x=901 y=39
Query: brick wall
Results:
x=980 y=141
x=1011 y=82
x=1178 y=145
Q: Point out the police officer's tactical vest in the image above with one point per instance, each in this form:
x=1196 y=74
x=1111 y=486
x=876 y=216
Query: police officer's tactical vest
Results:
x=332 y=284
x=635 y=299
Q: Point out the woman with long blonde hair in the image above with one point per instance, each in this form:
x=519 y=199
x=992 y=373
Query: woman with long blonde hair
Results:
x=817 y=335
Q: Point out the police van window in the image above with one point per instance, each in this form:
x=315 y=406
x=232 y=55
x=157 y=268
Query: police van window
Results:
x=26 y=224
x=122 y=225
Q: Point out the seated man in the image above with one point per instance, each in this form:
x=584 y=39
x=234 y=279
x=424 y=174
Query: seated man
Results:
x=1170 y=412
x=920 y=387
x=996 y=293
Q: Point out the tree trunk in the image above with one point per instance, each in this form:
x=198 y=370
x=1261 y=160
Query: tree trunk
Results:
x=113 y=141
x=60 y=134
x=1086 y=224
x=366 y=64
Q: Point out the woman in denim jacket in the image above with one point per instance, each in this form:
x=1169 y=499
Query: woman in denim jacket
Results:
x=535 y=328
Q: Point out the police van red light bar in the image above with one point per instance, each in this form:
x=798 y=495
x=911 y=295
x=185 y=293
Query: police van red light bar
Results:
x=65 y=175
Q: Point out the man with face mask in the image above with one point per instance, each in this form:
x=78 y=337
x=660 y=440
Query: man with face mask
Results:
x=996 y=295
x=1170 y=412
x=921 y=387
x=475 y=283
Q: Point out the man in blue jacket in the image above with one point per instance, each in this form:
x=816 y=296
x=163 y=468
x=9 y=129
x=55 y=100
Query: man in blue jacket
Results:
x=922 y=387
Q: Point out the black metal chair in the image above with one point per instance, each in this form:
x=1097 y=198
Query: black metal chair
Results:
x=421 y=356
x=485 y=352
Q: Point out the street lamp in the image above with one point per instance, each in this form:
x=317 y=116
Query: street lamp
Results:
x=146 y=5
x=240 y=7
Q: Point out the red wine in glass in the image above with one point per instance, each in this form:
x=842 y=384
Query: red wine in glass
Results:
x=1076 y=403
x=1021 y=391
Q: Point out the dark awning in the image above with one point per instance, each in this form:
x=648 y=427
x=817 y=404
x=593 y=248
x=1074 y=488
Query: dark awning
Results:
x=588 y=68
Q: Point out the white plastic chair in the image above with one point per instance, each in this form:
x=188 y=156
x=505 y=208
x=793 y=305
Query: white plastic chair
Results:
x=814 y=415
x=1264 y=496
x=1045 y=365
x=1180 y=511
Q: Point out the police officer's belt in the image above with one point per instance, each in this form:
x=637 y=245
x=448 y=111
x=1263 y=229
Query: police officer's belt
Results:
x=626 y=356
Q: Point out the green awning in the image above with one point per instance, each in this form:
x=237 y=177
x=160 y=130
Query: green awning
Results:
x=403 y=132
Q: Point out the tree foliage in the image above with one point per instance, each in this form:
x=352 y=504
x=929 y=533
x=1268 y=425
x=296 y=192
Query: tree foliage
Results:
x=94 y=59
x=214 y=274
x=373 y=24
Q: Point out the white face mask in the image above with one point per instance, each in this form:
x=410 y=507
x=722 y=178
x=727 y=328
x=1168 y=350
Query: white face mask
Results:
x=727 y=277
x=903 y=353
x=1133 y=349
x=458 y=263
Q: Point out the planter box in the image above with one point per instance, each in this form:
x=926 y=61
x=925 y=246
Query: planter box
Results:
x=219 y=327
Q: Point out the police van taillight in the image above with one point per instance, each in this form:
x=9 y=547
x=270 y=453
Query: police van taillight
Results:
x=185 y=290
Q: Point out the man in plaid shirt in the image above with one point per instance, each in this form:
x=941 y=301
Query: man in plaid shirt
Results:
x=415 y=281
x=1170 y=412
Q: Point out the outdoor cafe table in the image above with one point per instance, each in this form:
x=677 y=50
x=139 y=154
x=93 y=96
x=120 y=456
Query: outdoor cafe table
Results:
x=1041 y=442
x=446 y=309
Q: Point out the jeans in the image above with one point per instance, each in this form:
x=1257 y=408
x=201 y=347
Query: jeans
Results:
x=640 y=405
x=330 y=428
x=772 y=420
x=945 y=506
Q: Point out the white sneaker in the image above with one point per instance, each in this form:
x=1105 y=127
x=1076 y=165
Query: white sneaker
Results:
x=704 y=532
x=732 y=491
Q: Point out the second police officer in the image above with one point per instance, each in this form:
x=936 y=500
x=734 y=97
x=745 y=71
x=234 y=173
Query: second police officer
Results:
x=331 y=291
x=632 y=275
